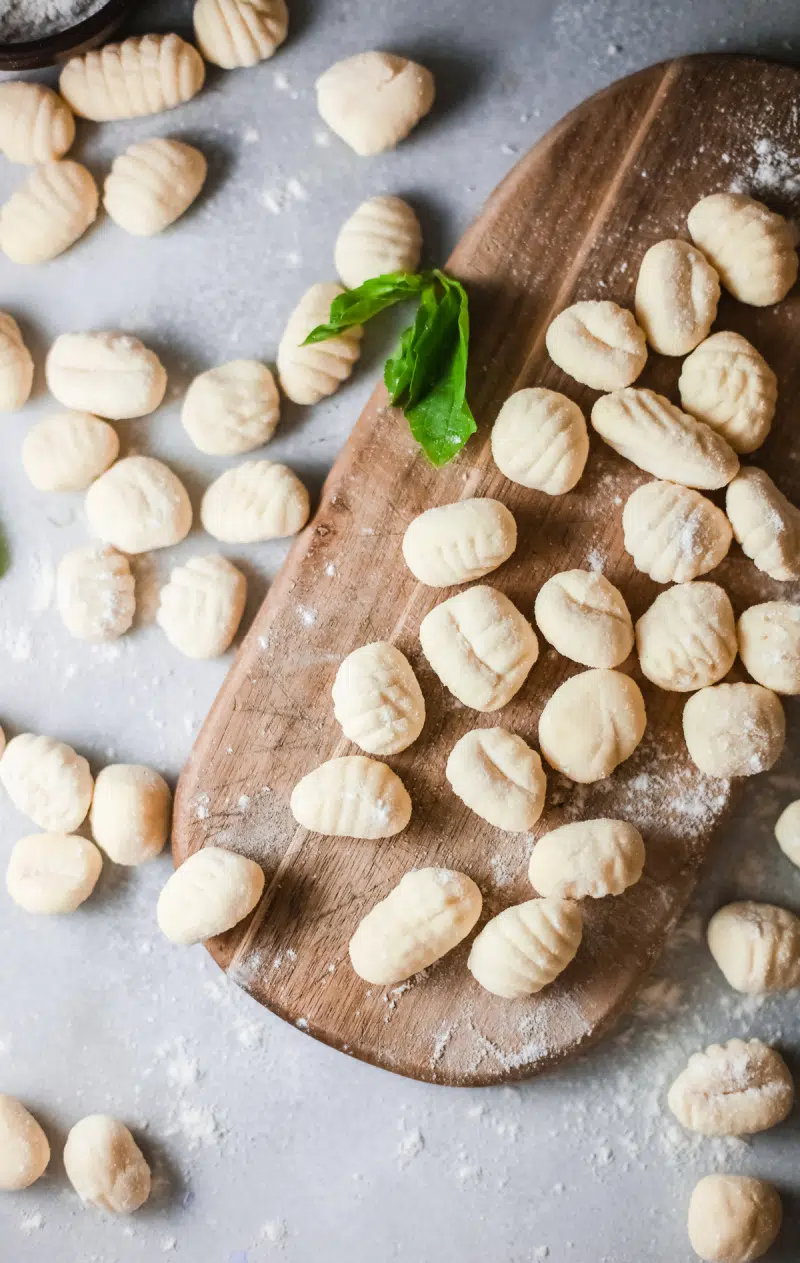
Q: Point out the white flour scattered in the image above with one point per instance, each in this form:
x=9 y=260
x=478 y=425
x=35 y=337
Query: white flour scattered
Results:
x=773 y=172
x=274 y=1231
x=279 y=198
x=43 y=582
x=595 y=560
x=410 y=1145
x=23 y=20
x=31 y=1221
x=196 y=1125
x=308 y=617
x=243 y=802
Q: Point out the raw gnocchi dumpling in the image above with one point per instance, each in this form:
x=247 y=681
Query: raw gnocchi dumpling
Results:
x=787 y=832
x=139 y=505
x=143 y=75
x=382 y=235
x=769 y=645
x=130 y=813
x=730 y=386
x=585 y=618
x=52 y=874
x=673 y=533
x=480 y=646
x=599 y=344
x=456 y=543
x=733 y=729
x=733 y=1218
x=373 y=100
x=423 y=918
x=47 y=781
x=310 y=373
x=48 y=212
x=587 y=860
x=202 y=605
x=67 y=451
x=24 y=1148
x=499 y=777
x=232 y=408
x=113 y=375
x=591 y=724
x=651 y=432
x=757 y=946
x=733 y=1089
x=16 y=365
x=377 y=699
x=765 y=524
x=352 y=797
x=211 y=892
x=751 y=247
x=95 y=593
x=152 y=183
x=232 y=33
x=105 y=1165
x=677 y=293
x=525 y=948
x=36 y=124
x=540 y=440
x=254 y=501
x=687 y=638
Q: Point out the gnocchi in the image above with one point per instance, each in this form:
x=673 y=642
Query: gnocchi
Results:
x=24 y=1148
x=143 y=75
x=587 y=860
x=674 y=534
x=750 y=246
x=599 y=344
x=591 y=724
x=232 y=408
x=733 y=1089
x=48 y=212
x=139 y=505
x=687 y=638
x=731 y=387
x=51 y=874
x=583 y=616
x=232 y=33
x=423 y=918
x=201 y=607
x=382 y=235
x=787 y=832
x=499 y=777
x=377 y=699
x=733 y=1218
x=111 y=374
x=373 y=100
x=526 y=947
x=352 y=797
x=480 y=646
x=211 y=892
x=152 y=184
x=254 y=501
x=734 y=729
x=47 y=781
x=677 y=293
x=105 y=1165
x=456 y=543
x=130 y=813
x=36 y=125
x=540 y=441
x=310 y=373
x=769 y=645
x=757 y=947
x=16 y=365
x=765 y=524
x=95 y=593
x=66 y=452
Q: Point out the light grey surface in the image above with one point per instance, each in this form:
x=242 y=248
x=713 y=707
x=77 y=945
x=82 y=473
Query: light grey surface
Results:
x=265 y=1144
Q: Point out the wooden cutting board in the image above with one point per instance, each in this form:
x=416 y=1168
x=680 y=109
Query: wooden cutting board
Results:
x=570 y=222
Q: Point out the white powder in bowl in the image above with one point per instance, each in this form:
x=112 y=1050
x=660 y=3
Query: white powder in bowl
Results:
x=23 y=20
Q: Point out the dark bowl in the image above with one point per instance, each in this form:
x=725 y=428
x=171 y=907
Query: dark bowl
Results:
x=52 y=49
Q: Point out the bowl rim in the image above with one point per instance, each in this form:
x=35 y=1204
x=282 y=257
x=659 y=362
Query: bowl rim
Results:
x=47 y=50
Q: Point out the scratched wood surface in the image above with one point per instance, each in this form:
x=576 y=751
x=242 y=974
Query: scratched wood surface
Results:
x=570 y=222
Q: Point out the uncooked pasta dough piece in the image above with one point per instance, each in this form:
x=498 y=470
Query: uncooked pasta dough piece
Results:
x=36 y=125
x=765 y=523
x=143 y=75
x=152 y=183
x=599 y=344
x=540 y=440
x=651 y=432
x=733 y=729
x=310 y=373
x=686 y=640
x=377 y=699
x=105 y=1165
x=373 y=100
x=591 y=724
x=48 y=212
x=480 y=646
x=95 y=593
x=254 y=501
x=130 y=813
x=111 y=374
x=139 y=505
x=733 y=1089
x=751 y=247
x=526 y=947
x=47 y=781
x=202 y=605
x=50 y=874
x=787 y=832
x=211 y=892
x=232 y=408
x=24 y=1149
x=585 y=618
x=769 y=645
x=67 y=451
x=673 y=533
x=456 y=543
x=677 y=293
x=733 y=1218
x=352 y=797
x=499 y=777
x=382 y=235
x=587 y=860
x=727 y=384
x=425 y=916
x=757 y=947
x=16 y=365
x=232 y=33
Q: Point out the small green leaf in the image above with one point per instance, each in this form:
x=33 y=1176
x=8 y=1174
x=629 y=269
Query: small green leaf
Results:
x=399 y=370
x=356 y=306
x=5 y=554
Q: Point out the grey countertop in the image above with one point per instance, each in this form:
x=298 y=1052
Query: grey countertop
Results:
x=265 y=1144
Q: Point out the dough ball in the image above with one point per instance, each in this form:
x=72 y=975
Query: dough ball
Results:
x=585 y=618
x=733 y=1219
x=24 y=1149
x=727 y=384
x=687 y=638
x=95 y=593
x=50 y=874
x=152 y=184
x=47 y=781
x=211 y=892
x=733 y=1089
x=36 y=125
x=382 y=235
x=677 y=293
x=456 y=543
x=591 y=724
x=145 y=74
x=587 y=860
x=202 y=605
x=787 y=832
x=139 y=505
x=111 y=374
x=765 y=523
x=66 y=452
x=254 y=501
x=352 y=797
x=373 y=100
x=499 y=777
x=232 y=33
x=48 y=212
x=377 y=699
x=311 y=373
x=734 y=729
x=599 y=344
x=673 y=533
x=757 y=947
x=16 y=364
x=231 y=409
x=105 y=1165
x=540 y=440
x=526 y=947
x=131 y=812
x=752 y=248
x=769 y=645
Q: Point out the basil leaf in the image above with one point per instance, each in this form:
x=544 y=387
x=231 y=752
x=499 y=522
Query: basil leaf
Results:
x=442 y=421
x=399 y=370
x=356 y=306
x=5 y=554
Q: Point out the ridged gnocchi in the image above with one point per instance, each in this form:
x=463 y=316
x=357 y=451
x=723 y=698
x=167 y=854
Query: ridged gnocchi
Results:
x=211 y=892
x=674 y=534
x=36 y=125
x=233 y=33
x=95 y=593
x=143 y=75
x=587 y=860
x=423 y=918
x=733 y=1089
x=231 y=409
x=599 y=344
x=787 y=832
x=67 y=451
x=751 y=247
x=499 y=777
x=734 y=729
x=201 y=607
x=765 y=524
x=47 y=781
x=254 y=501
x=112 y=375
x=686 y=640
x=730 y=386
x=24 y=1148
x=540 y=441
x=733 y=1218
x=16 y=365
x=757 y=946
x=377 y=699
x=582 y=615
x=382 y=235
x=456 y=543
x=480 y=646
x=152 y=184
x=48 y=212
x=769 y=645
x=677 y=293
x=310 y=373
x=138 y=505
x=591 y=724
x=351 y=797
x=526 y=947
x=373 y=100
x=52 y=874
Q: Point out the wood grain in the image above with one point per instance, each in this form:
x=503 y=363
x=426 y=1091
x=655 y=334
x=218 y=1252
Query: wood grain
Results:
x=571 y=221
